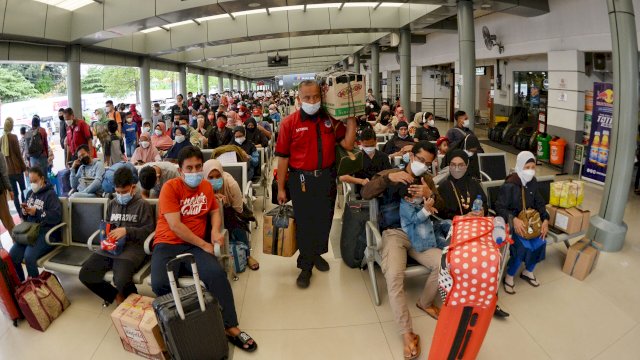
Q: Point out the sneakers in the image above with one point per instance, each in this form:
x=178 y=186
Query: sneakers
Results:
x=304 y=279
x=321 y=264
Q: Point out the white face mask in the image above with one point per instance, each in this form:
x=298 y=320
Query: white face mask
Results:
x=146 y=129
x=158 y=132
x=431 y=123
x=240 y=140
x=527 y=175
x=35 y=187
x=69 y=122
x=418 y=168
x=179 y=138
x=144 y=144
x=311 y=109
x=240 y=113
x=368 y=150
x=470 y=153
x=465 y=123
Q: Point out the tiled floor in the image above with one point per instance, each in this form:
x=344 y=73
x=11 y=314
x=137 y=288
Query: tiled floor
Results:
x=335 y=318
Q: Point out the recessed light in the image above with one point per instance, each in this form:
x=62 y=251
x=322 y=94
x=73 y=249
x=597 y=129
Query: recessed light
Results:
x=253 y=4
x=485 y=6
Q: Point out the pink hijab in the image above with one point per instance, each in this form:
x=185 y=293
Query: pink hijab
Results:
x=162 y=142
x=233 y=119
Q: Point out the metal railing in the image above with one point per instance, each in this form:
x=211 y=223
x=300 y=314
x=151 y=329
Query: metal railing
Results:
x=438 y=106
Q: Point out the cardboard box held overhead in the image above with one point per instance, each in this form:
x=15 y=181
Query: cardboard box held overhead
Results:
x=343 y=93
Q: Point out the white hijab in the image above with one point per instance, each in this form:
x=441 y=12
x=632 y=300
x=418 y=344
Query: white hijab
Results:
x=523 y=158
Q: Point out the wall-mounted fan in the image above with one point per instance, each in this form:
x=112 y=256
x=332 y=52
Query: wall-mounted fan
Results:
x=491 y=40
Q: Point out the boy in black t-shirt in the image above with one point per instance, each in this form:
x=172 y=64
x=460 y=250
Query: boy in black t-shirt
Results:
x=374 y=161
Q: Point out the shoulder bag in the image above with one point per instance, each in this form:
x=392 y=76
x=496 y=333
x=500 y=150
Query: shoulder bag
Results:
x=531 y=219
x=26 y=233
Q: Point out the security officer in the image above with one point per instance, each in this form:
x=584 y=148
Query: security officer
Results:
x=306 y=148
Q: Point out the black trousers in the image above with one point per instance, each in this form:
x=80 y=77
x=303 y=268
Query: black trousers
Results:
x=313 y=211
x=92 y=274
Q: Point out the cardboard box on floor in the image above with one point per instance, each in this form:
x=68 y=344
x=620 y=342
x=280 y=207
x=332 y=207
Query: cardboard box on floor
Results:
x=582 y=258
x=343 y=93
x=138 y=328
x=570 y=221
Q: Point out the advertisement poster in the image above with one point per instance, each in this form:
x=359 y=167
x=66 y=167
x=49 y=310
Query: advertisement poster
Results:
x=595 y=167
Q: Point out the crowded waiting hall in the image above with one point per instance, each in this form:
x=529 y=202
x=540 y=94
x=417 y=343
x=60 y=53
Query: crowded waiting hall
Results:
x=289 y=179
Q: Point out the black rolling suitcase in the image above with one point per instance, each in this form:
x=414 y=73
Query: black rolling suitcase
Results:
x=353 y=240
x=190 y=319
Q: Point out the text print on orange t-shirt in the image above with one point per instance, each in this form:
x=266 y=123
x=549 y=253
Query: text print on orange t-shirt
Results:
x=194 y=205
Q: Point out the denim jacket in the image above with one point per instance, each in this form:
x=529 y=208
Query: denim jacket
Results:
x=423 y=233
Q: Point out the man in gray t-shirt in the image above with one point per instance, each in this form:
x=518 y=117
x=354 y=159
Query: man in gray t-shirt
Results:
x=154 y=175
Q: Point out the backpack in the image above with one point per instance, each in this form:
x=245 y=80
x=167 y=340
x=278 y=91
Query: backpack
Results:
x=107 y=181
x=36 y=145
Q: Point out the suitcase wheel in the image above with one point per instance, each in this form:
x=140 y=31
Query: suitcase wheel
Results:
x=15 y=323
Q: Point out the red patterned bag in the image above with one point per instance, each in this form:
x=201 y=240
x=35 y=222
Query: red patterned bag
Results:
x=42 y=300
x=469 y=278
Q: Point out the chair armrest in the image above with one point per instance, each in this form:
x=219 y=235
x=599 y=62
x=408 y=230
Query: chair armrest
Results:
x=47 y=236
x=485 y=175
x=374 y=238
x=90 y=240
x=147 y=243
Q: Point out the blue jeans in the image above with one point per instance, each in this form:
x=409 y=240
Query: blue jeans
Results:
x=40 y=161
x=30 y=254
x=210 y=270
x=17 y=182
x=130 y=148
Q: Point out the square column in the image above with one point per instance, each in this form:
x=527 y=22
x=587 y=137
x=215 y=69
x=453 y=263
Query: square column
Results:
x=416 y=88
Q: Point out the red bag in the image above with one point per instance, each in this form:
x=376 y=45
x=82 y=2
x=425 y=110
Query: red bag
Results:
x=469 y=280
x=8 y=282
x=42 y=300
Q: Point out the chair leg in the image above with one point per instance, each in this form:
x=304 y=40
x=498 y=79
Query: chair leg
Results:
x=371 y=265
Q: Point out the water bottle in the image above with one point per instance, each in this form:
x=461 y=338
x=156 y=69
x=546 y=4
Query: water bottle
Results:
x=477 y=205
x=499 y=232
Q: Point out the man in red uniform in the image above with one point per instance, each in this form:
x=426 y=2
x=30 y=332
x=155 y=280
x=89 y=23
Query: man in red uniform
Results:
x=306 y=149
x=78 y=133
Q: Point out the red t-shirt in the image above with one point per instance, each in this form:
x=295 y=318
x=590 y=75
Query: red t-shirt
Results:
x=298 y=140
x=78 y=135
x=194 y=205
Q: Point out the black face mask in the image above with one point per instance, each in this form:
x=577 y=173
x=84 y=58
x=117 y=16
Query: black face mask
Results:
x=61 y=117
x=85 y=160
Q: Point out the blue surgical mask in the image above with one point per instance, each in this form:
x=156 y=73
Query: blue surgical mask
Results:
x=216 y=183
x=405 y=158
x=193 y=179
x=123 y=199
x=311 y=109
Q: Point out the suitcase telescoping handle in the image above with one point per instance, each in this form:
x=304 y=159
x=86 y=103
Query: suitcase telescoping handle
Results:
x=174 y=285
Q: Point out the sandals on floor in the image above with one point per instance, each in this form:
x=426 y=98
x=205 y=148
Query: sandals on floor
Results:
x=433 y=311
x=508 y=288
x=241 y=340
x=532 y=281
x=416 y=342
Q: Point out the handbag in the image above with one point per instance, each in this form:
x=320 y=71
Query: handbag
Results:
x=107 y=244
x=531 y=220
x=348 y=161
x=26 y=233
x=42 y=300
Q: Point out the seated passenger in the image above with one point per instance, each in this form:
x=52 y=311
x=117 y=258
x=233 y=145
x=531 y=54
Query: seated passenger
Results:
x=400 y=143
x=203 y=130
x=154 y=175
x=460 y=190
x=509 y=205
x=443 y=145
x=42 y=206
x=145 y=153
x=384 y=124
x=274 y=114
x=221 y=134
x=392 y=184
x=249 y=149
x=160 y=140
x=229 y=195
x=180 y=143
x=262 y=124
x=131 y=218
x=373 y=162
x=190 y=133
x=86 y=174
x=471 y=145
x=428 y=131
x=254 y=134
x=113 y=145
x=184 y=206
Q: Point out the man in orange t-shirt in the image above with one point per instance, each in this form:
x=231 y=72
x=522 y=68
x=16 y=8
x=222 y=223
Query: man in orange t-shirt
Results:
x=185 y=204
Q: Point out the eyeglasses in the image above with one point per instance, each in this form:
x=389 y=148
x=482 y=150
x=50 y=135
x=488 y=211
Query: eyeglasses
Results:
x=458 y=167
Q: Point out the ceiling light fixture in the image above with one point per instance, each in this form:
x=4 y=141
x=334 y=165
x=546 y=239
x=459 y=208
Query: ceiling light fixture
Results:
x=213 y=17
x=146 y=31
x=286 y=8
x=360 y=4
x=323 y=6
x=180 y=23
x=253 y=5
x=249 y=12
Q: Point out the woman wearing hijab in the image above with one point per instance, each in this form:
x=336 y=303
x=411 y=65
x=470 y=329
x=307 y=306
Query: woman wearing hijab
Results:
x=160 y=140
x=137 y=118
x=416 y=123
x=384 y=124
x=221 y=134
x=228 y=193
x=471 y=146
x=181 y=142
x=100 y=127
x=15 y=163
x=399 y=116
x=460 y=189
x=240 y=140
x=254 y=134
x=145 y=153
x=509 y=205
x=233 y=119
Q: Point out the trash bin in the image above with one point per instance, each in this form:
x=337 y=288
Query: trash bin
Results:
x=543 y=146
x=557 y=151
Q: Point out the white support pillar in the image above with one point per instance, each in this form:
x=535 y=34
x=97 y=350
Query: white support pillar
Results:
x=73 y=80
x=416 y=89
x=220 y=83
x=182 y=79
x=145 y=87
x=205 y=83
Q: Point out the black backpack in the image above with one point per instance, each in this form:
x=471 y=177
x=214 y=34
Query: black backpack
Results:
x=353 y=240
x=36 y=145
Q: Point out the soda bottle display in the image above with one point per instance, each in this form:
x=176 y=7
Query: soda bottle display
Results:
x=603 y=151
x=595 y=148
